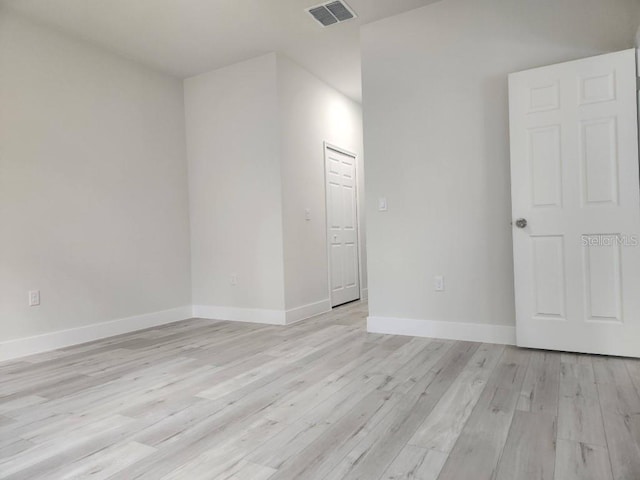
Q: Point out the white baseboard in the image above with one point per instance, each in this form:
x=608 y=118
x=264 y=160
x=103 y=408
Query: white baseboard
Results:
x=22 y=347
x=474 y=332
x=260 y=315
x=364 y=294
x=297 y=314
x=234 y=314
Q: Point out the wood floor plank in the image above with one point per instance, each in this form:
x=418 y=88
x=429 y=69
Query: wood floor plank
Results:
x=442 y=427
x=223 y=461
x=530 y=450
x=103 y=464
x=8 y=408
x=287 y=444
x=402 y=373
x=4 y=421
x=511 y=369
x=619 y=399
x=343 y=460
x=623 y=438
x=611 y=370
x=579 y=414
x=14 y=446
x=321 y=454
x=86 y=440
x=541 y=385
x=416 y=463
x=577 y=372
x=298 y=403
x=478 y=449
x=581 y=461
x=248 y=471
x=417 y=405
x=318 y=400
x=232 y=414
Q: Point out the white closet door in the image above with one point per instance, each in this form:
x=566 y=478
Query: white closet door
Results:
x=574 y=175
x=342 y=226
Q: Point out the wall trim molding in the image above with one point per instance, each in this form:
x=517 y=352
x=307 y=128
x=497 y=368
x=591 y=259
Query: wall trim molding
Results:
x=21 y=347
x=364 y=294
x=260 y=315
x=235 y=314
x=298 y=314
x=473 y=332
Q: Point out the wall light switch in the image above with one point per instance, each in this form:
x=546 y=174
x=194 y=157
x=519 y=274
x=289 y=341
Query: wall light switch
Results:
x=34 y=298
x=382 y=204
x=307 y=214
x=438 y=283
x=234 y=279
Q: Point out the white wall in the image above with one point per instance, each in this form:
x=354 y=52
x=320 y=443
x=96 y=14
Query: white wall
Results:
x=234 y=184
x=93 y=186
x=436 y=139
x=95 y=201
x=255 y=134
x=311 y=113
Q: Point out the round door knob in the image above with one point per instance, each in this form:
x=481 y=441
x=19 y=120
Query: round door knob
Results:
x=521 y=222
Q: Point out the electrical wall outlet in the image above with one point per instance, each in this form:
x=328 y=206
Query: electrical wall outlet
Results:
x=34 y=298
x=234 y=279
x=438 y=283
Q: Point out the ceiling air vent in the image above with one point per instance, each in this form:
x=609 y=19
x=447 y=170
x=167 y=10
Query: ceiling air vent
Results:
x=332 y=12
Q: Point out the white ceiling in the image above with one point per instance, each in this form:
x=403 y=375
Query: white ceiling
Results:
x=187 y=37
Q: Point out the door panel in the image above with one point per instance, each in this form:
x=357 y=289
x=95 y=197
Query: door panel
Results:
x=575 y=179
x=599 y=162
x=351 y=272
x=546 y=166
x=549 y=277
x=603 y=295
x=335 y=206
x=348 y=200
x=342 y=226
x=337 y=272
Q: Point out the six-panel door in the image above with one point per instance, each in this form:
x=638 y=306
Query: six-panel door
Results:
x=342 y=226
x=574 y=173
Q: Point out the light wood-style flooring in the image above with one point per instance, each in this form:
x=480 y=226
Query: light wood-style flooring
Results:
x=321 y=399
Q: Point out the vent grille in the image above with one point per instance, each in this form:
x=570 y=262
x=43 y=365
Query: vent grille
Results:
x=339 y=11
x=331 y=13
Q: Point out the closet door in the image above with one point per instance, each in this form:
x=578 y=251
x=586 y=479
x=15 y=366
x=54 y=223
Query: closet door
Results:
x=342 y=225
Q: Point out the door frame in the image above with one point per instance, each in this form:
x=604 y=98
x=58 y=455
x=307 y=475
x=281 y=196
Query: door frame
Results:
x=327 y=145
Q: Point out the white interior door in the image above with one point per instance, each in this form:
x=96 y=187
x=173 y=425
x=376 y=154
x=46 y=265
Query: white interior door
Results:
x=574 y=179
x=342 y=226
